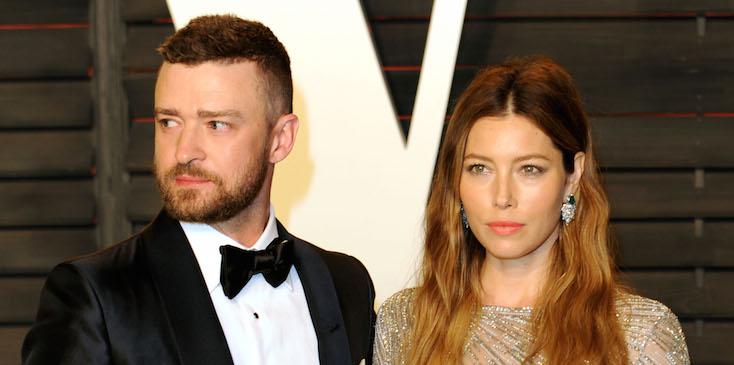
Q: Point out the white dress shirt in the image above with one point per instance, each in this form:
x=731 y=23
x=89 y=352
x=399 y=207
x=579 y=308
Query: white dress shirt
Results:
x=262 y=324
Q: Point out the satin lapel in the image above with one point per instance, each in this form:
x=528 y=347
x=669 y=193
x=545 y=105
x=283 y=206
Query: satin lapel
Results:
x=184 y=294
x=323 y=303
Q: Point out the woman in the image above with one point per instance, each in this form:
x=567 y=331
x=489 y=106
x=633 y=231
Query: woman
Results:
x=518 y=265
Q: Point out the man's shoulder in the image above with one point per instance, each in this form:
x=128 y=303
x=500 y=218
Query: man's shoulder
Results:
x=116 y=266
x=115 y=257
x=337 y=262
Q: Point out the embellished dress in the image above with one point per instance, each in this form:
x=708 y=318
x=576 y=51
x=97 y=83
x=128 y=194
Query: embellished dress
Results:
x=502 y=335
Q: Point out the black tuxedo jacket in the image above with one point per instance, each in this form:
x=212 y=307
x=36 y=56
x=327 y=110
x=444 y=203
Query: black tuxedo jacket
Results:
x=144 y=301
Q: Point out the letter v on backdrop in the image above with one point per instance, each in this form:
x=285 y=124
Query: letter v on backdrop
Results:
x=352 y=184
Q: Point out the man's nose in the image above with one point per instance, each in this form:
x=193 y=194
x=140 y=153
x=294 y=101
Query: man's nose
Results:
x=189 y=146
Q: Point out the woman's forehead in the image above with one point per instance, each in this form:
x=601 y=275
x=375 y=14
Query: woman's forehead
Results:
x=509 y=136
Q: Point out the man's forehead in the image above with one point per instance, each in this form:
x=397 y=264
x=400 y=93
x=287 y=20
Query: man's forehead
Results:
x=238 y=63
x=214 y=75
x=215 y=86
x=245 y=71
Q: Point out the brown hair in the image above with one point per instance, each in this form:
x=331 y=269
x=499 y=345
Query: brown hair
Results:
x=582 y=278
x=228 y=39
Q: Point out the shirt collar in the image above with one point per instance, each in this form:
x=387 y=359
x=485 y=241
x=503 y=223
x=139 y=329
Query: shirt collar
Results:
x=205 y=242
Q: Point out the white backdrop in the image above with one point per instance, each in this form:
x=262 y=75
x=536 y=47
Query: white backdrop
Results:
x=352 y=184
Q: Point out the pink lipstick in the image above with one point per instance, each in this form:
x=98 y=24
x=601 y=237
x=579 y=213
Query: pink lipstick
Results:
x=504 y=228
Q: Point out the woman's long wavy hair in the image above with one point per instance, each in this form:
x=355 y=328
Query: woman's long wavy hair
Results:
x=574 y=317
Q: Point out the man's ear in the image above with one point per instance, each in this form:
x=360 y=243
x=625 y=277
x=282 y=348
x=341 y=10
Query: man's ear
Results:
x=573 y=179
x=283 y=137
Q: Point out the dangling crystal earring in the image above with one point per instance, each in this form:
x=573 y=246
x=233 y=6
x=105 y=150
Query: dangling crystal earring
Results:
x=568 y=209
x=464 y=221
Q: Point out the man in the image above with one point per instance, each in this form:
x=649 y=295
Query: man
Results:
x=223 y=120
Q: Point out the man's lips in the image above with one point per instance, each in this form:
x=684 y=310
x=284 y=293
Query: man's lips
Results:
x=504 y=228
x=188 y=180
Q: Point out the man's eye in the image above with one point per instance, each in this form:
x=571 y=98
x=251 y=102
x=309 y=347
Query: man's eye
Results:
x=167 y=123
x=218 y=125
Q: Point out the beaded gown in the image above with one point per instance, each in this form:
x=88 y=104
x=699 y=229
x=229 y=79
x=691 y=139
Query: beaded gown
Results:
x=501 y=335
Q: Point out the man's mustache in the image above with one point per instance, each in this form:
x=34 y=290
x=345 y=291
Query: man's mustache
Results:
x=193 y=171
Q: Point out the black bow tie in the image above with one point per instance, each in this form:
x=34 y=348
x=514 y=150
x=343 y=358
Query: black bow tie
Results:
x=239 y=265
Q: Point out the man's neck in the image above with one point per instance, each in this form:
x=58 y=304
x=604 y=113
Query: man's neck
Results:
x=248 y=225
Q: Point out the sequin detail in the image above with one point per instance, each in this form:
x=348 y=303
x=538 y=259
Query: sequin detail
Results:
x=501 y=335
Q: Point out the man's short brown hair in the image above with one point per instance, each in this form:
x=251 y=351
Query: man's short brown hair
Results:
x=229 y=39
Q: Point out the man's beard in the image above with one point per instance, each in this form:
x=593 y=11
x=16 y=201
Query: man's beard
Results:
x=189 y=205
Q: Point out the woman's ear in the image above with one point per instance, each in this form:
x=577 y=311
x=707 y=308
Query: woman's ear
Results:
x=573 y=179
x=283 y=137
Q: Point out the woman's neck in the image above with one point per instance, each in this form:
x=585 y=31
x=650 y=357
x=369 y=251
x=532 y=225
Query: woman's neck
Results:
x=512 y=287
x=516 y=282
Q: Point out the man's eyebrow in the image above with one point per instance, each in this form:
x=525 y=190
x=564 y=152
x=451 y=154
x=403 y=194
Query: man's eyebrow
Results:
x=219 y=113
x=166 y=111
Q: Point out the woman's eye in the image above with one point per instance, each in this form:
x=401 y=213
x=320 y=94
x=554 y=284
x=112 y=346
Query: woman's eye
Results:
x=532 y=170
x=478 y=169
